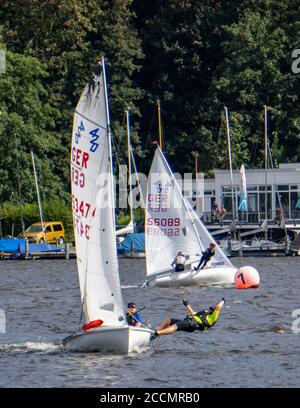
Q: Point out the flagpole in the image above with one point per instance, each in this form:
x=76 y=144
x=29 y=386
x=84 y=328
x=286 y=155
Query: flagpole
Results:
x=230 y=162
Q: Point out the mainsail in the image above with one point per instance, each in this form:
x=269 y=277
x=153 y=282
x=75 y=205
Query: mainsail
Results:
x=171 y=225
x=93 y=206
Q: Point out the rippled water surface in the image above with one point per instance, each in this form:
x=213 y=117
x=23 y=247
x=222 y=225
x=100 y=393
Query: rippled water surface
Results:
x=252 y=345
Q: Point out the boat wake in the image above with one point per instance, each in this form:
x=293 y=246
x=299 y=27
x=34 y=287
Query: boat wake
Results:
x=30 y=346
x=130 y=286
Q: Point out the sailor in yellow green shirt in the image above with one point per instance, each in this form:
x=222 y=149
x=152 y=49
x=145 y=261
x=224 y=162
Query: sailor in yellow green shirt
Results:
x=202 y=320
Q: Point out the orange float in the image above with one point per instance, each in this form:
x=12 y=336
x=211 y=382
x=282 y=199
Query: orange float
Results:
x=92 y=324
x=246 y=277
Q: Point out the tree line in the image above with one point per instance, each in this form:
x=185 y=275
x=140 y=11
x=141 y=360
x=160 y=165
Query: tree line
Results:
x=195 y=56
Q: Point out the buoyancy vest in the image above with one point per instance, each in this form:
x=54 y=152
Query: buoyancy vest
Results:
x=132 y=319
x=208 y=253
x=200 y=319
x=180 y=260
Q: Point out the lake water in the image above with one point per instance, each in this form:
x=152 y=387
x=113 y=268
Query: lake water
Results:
x=252 y=345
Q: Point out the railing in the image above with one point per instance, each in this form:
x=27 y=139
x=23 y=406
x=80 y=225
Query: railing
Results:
x=250 y=217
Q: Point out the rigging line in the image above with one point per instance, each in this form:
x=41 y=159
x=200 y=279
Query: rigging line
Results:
x=151 y=125
x=19 y=187
x=137 y=179
x=276 y=187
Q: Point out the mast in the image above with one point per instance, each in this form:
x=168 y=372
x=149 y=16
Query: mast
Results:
x=129 y=168
x=195 y=155
x=230 y=162
x=266 y=170
x=109 y=144
x=159 y=125
x=38 y=192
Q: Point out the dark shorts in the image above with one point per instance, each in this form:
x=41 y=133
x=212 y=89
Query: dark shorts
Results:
x=184 y=325
x=179 y=268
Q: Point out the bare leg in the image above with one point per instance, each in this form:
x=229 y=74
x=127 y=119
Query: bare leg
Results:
x=165 y=324
x=169 y=330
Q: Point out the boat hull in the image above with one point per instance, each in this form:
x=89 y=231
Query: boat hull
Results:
x=216 y=275
x=122 y=340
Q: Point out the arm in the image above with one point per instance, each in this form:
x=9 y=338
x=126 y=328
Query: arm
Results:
x=189 y=308
x=220 y=305
x=138 y=320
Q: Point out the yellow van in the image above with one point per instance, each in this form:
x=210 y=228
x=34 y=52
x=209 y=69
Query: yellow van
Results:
x=54 y=232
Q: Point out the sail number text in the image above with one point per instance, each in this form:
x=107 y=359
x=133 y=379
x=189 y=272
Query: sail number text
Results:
x=81 y=228
x=81 y=207
x=163 y=226
x=157 y=202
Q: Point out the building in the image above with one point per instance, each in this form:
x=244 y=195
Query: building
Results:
x=274 y=188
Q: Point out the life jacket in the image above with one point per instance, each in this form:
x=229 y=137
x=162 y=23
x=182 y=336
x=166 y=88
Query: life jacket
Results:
x=200 y=319
x=131 y=320
x=208 y=253
x=180 y=260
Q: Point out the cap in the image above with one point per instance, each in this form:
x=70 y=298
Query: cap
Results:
x=131 y=304
x=212 y=244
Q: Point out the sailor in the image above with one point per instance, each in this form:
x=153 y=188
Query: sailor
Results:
x=206 y=256
x=200 y=321
x=179 y=262
x=133 y=316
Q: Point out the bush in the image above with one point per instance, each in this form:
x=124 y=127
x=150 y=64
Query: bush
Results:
x=11 y=214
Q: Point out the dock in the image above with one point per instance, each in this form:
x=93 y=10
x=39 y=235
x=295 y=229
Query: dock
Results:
x=246 y=238
x=20 y=249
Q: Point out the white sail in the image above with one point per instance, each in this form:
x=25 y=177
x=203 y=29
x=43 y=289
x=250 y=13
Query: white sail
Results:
x=171 y=225
x=243 y=190
x=220 y=257
x=93 y=207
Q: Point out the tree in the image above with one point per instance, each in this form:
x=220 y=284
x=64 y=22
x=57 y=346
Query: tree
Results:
x=27 y=123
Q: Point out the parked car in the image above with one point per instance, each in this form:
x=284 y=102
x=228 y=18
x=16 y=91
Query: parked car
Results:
x=53 y=232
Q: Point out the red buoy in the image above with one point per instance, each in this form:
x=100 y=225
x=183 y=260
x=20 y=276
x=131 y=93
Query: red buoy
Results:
x=246 y=277
x=92 y=324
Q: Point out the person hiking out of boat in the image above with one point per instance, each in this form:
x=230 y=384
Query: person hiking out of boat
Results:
x=206 y=256
x=133 y=317
x=199 y=321
x=179 y=262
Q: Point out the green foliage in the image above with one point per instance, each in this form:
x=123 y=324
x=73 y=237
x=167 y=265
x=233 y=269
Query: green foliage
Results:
x=196 y=57
x=12 y=216
x=27 y=124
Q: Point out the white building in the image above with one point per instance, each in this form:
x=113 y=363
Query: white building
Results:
x=282 y=186
x=283 y=182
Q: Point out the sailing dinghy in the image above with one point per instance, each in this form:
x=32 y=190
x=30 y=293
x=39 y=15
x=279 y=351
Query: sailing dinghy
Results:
x=171 y=226
x=105 y=327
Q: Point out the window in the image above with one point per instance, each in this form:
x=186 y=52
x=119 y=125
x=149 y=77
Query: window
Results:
x=57 y=227
x=48 y=229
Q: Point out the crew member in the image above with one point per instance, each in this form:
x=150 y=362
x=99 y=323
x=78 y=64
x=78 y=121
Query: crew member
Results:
x=179 y=261
x=206 y=256
x=200 y=321
x=133 y=316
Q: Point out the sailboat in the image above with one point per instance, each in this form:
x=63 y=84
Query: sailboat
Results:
x=129 y=229
x=105 y=327
x=171 y=225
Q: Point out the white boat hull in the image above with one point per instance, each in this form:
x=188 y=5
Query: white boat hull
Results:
x=122 y=340
x=214 y=275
